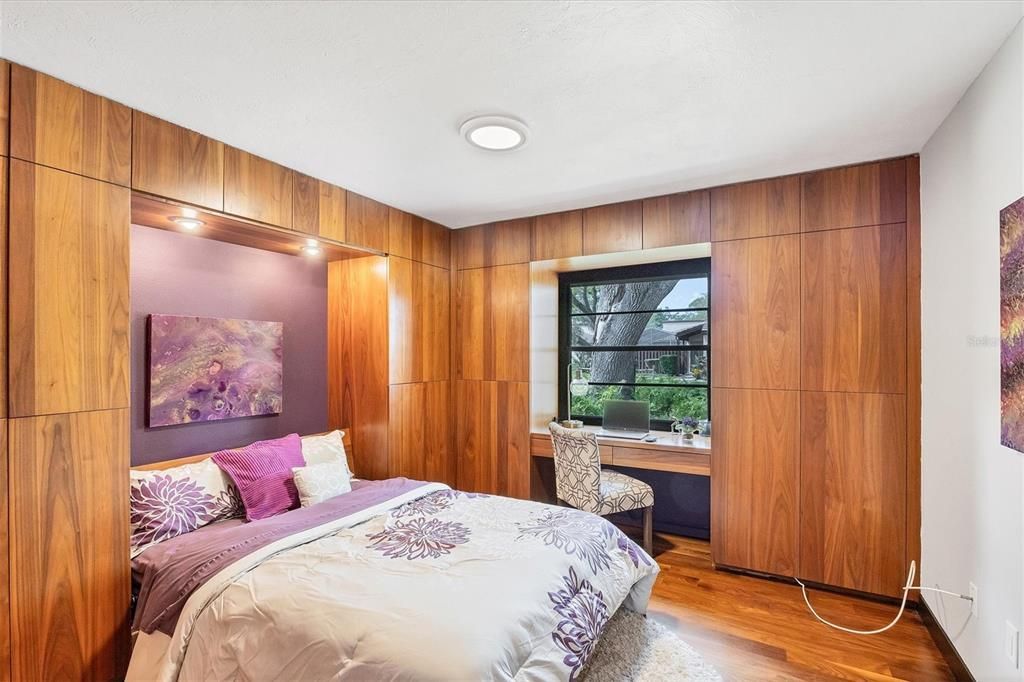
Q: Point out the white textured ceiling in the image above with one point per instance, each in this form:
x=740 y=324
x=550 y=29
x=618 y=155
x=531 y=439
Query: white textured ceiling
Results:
x=624 y=99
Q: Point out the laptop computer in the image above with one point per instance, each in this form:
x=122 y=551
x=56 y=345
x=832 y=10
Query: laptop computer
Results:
x=630 y=419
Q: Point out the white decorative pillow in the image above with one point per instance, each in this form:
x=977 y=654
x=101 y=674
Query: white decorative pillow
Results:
x=171 y=502
x=319 y=482
x=329 y=447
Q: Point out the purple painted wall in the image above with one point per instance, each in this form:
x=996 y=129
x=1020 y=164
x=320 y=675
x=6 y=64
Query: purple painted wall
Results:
x=188 y=275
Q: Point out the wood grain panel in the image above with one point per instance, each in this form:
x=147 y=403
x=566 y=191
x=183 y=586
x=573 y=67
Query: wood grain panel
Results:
x=755 y=287
x=5 y=107
x=5 y=595
x=419 y=441
x=177 y=163
x=853 y=491
x=755 y=479
x=69 y=292
x=418 y=239
x=418 y=310
x=492 y=442
x=502 y=243
x=492 y=323
x=69 y=546
x=305 y=204
x=366 y=222
x=756 y=209
x=854 y=310
x=675 y=219
x=333 y=206
x=854 y=196
x=558 y=235
x=4 y=176
x=257 y=188
x=914 y=359
x=55 y=124
x=613 y=228
x=357 y=359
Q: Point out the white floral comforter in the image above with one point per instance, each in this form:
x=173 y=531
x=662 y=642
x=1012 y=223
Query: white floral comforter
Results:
x=437 y=585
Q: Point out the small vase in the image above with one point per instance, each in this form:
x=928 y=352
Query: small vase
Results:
x=686 y=435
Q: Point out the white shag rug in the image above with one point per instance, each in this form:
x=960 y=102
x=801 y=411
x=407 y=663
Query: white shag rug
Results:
x=637 y=649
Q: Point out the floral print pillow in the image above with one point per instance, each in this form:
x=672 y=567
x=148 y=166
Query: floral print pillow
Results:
x=172 y=502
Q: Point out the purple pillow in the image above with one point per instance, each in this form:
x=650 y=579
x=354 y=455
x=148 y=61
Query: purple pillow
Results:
x=262 y=472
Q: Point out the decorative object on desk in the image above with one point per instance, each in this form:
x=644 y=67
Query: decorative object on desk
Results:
x=687 y=427
x=1011 y=304
x=577 y=386
x=705 y=427
x=209 y=368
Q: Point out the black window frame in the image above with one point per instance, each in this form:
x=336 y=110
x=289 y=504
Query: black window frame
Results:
x=692 y=268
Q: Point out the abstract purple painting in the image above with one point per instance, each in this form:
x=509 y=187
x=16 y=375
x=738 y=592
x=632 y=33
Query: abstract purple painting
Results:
x=210 y=368
x=1011 y=297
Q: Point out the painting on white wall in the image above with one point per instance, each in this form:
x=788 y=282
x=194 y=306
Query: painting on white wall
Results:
x=1011 y=297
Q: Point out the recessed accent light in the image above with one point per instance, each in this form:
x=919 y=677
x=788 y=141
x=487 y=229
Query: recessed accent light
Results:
x=186 y=222
x=494 y=133
x=312 y=247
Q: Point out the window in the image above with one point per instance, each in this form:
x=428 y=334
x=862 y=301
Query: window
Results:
x=637 y=333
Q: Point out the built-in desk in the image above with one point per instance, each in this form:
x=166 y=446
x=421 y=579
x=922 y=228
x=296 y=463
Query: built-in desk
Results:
x=668 y=453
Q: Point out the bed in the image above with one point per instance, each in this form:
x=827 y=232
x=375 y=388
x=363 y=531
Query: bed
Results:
x=397 y=579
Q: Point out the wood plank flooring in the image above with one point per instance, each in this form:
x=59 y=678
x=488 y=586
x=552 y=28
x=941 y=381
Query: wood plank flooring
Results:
x=757 y=629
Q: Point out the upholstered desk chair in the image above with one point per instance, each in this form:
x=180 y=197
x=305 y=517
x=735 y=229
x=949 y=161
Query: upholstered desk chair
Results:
x=581 y=482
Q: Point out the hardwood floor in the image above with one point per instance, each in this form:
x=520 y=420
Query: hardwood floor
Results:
x=757 y=629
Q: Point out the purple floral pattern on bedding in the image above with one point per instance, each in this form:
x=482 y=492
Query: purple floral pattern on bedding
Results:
x=635 y=554
x=576 y=533
x=584 y=614
x=419 y=538
x=164 y=507
x=431 y=504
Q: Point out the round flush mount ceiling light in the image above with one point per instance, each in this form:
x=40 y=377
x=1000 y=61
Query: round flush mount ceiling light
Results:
x=186 y=222
x=494 y=133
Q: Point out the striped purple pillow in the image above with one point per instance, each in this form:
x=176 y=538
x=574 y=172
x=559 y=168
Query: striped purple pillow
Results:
x=262 y=472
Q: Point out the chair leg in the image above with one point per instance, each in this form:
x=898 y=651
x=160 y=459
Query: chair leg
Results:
x=649 y=530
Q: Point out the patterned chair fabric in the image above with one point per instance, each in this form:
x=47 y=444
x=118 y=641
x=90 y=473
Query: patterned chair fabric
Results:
x=580 y=481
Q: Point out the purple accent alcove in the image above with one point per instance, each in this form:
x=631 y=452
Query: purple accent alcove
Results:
x=179 y=274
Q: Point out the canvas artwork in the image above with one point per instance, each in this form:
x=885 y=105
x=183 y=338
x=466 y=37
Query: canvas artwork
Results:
x=210 y=368
x=1011 y=296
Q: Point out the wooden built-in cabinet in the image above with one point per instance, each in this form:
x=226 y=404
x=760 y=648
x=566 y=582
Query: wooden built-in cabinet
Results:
x=755 y=479
x=854 y=196
x=69 y=545
x=5 y=111
x=613 y=227
x=418 y=239
x=558 y=235
x=69 y=292
x=492 y=436
x=366 y=222
x=319 y=208
x=491 y=333
x=501 y=243
x=853 y=478
x=4 y=305
x=764 y=208
x=418 y=310
x=755 y=318
x=677 y=219
x=177 y=163
x=55 y=124
x=420 y=440
x=5 y=580
x=257 y=189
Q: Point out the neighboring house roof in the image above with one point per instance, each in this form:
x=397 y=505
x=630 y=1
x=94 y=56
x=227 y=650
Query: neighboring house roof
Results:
x=656 y=337
x=695 y=330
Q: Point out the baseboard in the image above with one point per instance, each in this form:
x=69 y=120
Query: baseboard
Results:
x=944 y=644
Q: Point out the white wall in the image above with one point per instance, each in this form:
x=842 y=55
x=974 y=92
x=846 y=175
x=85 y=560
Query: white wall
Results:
x=972 y=487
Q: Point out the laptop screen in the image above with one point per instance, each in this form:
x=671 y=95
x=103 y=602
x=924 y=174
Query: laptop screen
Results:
x=627 y=415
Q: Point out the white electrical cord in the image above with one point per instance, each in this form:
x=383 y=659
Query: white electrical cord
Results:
x=903 y=604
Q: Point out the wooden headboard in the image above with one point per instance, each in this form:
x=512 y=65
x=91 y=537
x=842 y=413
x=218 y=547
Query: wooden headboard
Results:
x=167 y=464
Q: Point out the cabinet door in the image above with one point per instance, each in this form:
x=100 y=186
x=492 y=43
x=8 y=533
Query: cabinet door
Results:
x=755 y=209
x=418 y=239
x=366 y=222
x=419 y=443
x=854 y=310
x=177 y=163
x=871 y=194
x=558 y=235
x=501 y=243
x=677 y=219
x=69 y=546
x=492 y=323
x=69 y=292
x=5 y=582
x=56 y=124
x=755 y=478
x=257 y=189
x=492 y=437
x=755 y=294
x=419 y=329
x=5 y=107
x=613 y=228
x=853 y=491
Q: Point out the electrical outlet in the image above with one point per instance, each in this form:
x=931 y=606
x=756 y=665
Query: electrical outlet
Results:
x=972 y=592
x=1013 y=644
